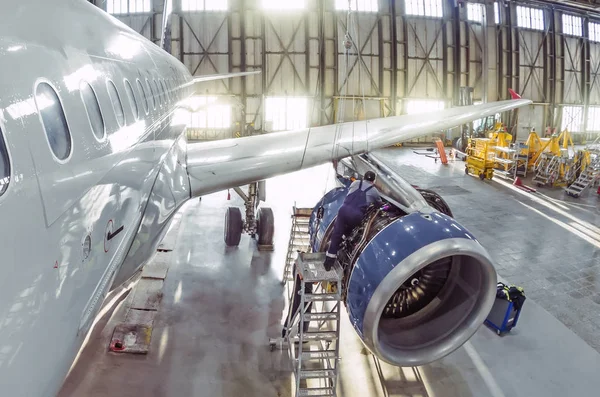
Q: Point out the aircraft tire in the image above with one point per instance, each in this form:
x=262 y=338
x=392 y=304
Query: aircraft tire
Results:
x=265 y=226
x=436 y=201
x=233 y=226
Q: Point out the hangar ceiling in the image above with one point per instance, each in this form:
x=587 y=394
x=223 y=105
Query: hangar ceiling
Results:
x=405 y=55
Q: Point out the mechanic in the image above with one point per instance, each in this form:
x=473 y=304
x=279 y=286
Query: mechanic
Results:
x=361 y=194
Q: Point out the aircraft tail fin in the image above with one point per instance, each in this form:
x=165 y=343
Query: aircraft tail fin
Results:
x=513 y=94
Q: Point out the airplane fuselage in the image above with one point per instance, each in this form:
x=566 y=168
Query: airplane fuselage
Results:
x=87 y=194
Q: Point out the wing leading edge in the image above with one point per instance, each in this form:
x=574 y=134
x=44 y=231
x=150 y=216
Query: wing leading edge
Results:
x=218 y=165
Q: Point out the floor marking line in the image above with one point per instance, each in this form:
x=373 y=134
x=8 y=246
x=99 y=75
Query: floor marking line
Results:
x=484 y=371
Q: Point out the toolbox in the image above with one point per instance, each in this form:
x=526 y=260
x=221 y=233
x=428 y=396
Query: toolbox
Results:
x=503 y=317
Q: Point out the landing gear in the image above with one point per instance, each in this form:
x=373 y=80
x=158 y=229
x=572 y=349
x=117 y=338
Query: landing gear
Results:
x=233 y=226
x=259 y=223
x=436 y=201
x=265 y=226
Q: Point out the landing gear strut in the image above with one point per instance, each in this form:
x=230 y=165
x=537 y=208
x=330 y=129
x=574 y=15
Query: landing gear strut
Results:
x=261 y=222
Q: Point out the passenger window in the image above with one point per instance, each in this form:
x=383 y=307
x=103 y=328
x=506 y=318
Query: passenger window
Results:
x=90 y=100
x=131 y=95
x=116 y=102
x=151 y=93
x=4 y=166
x=166 y=90
x=158 y=97
x=53 y=120
x=144 y=96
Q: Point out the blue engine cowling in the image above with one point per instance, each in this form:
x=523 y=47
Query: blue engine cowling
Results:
x=417 y=287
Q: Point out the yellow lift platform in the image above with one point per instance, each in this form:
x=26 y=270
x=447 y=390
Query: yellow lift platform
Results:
x=480 y=157
x=482 y=153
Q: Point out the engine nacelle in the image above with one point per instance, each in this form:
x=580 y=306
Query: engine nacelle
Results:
x=417 y=286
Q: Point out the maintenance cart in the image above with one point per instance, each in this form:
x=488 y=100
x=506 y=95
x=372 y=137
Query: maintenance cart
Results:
x=480 y=158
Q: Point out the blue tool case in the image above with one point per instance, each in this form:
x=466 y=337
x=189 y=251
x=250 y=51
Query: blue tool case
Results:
x=507 y=308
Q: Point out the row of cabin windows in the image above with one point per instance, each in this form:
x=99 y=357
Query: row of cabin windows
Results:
x=55 y=122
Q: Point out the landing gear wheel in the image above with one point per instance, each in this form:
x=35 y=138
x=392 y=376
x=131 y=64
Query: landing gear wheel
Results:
x=233 y=226
x=436 y=201
x=265 y=226
x=466 y=170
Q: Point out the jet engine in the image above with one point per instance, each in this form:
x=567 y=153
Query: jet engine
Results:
x=417 y=285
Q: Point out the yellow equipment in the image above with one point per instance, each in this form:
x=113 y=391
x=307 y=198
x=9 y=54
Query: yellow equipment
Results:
x=480 y=157
x=500 y=135
x=552 y=145
x=552 y=163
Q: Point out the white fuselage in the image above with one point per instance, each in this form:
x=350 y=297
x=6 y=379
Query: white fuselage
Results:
x=57 y=214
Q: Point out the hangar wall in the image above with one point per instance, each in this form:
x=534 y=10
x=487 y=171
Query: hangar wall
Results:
x=404 y=58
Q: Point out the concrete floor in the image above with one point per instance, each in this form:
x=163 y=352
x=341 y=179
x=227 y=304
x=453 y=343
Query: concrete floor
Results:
x=221 y=305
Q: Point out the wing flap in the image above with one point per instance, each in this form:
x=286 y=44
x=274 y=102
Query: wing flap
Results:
x=214 y=166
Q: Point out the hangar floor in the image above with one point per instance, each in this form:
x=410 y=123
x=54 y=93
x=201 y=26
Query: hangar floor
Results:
x=221 y=305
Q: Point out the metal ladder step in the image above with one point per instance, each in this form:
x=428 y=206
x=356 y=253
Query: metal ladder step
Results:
x=293 y=246
x=318 y=336
x=317 y=392
x=321 y=297
x=317 y=373
x=321 y=316
x=318 y=355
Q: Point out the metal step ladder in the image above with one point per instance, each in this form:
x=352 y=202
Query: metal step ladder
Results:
x=546 y=169
x=299 y=240
x=312 y=329
x=514 y=163
x=587 y=178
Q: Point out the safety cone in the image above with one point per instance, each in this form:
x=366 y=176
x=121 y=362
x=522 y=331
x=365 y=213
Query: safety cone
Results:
x=228 y=195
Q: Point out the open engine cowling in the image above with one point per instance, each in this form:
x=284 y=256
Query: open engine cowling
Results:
x=417 y=285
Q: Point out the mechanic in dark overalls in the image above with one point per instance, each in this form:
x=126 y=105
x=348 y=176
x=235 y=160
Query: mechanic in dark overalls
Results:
x=361 y=194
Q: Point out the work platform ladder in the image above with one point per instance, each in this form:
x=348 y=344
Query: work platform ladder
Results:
x=511 y=161
x=546 y=169
x=299 y=240
x=587 y=178
x=311 y=332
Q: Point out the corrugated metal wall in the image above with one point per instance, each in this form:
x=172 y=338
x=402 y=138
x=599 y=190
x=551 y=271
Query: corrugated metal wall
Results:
x=302 y=53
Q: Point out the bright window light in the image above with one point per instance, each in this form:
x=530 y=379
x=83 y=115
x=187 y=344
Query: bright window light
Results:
x=415 y=106
x=128 y=6
x=572 y=25
x=203 y=5
x=496 y=13
x=424 y=8
x=210 y=114
x=572 y=118
x=594 y=29
x=593 y=121
x=283 y=4
x=357 y=5
x=530 y=18
x=286 y=113
x=475 y=12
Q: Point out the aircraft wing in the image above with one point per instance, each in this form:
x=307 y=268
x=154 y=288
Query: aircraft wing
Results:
x=211 y=77
x=218 y=165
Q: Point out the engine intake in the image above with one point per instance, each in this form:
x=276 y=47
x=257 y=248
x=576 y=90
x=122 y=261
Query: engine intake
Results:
x=417 y=286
